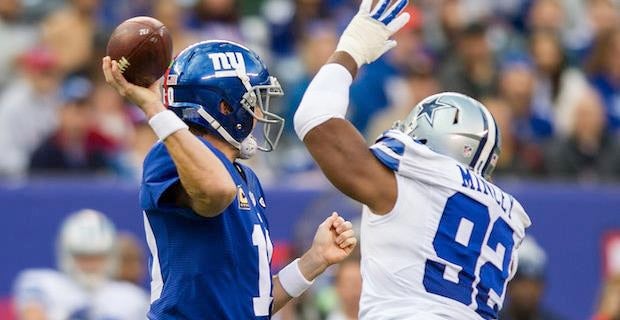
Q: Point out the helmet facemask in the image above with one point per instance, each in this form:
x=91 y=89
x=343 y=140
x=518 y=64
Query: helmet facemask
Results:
x=271 y=123
x=209 y=73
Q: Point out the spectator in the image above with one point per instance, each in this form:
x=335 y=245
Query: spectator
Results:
x=450 y=20
x=141 y=141
x=316 y=46
x=589 y=152
x=525 y=291
x=529 y=132
x=70 y=33
x=216 y=19
x=509 y=160
x=20 y=35
x=474 y=71
x=604 y=71
x=370 y=91
x=307 y=12
x=609 y=305
x=131 y=264
x=171 y=14
x=28 y=110
x=603 y=16
x=558 y=86
x=348 y=284
x=419 y=83
x=76 y=146
x=110 y=113
x=547 y=15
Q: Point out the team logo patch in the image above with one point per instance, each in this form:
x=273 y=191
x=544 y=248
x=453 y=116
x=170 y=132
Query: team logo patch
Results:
x=171 y=79
x=244 y=204
x=428 y=109
x=262 y=203
x=468 y=151
x=226 y=64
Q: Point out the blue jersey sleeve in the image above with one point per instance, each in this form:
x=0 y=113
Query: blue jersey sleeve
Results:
x=159 y=175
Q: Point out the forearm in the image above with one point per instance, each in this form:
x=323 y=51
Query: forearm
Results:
x=203 y=176
x=311 y=265
x=346 y=60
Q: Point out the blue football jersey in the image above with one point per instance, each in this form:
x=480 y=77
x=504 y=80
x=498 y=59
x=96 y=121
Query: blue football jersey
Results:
x=206 y=268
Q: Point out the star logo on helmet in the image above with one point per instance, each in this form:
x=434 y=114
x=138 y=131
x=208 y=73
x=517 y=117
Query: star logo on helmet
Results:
x=429 y=108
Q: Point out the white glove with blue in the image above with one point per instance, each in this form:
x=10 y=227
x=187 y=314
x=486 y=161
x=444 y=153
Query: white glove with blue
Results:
x=367 y=37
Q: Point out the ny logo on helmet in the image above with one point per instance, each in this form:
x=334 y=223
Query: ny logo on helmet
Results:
x=226 y=64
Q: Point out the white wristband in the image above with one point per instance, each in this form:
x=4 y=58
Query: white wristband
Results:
x=166 y=123
x=292 y=280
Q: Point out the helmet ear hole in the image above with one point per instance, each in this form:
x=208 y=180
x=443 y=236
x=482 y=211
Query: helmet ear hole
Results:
x=225 y=108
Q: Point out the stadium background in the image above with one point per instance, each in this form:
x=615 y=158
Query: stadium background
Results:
x=547 y=69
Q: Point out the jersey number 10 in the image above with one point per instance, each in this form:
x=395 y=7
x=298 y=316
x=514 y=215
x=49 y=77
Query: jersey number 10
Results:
x=463 y=216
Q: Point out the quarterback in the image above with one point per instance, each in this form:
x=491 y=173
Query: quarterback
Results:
x=204 y=212
x=438 y=239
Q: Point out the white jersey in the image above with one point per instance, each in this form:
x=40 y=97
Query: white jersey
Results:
x=119 y=301
x=447 y=248
x=62 y=298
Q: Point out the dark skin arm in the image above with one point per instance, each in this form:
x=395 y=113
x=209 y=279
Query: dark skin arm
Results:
x=343 y=155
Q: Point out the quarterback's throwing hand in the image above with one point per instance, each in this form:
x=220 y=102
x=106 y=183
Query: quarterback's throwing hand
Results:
x=148 y=99
x=368 y=35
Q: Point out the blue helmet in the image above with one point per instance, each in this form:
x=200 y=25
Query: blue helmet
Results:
x=224 y=87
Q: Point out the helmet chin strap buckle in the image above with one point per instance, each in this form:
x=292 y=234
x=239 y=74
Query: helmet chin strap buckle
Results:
x=248 y=147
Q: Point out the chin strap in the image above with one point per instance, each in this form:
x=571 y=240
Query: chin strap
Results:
x=249 y=97
x=247 y=147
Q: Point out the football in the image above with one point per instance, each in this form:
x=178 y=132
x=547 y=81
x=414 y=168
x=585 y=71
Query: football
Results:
x=142 y=46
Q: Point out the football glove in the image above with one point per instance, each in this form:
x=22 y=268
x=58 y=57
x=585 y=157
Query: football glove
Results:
x=367 y=36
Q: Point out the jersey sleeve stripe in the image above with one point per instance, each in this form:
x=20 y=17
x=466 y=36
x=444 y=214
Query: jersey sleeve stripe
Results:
x=386 y=156
x=393 y=144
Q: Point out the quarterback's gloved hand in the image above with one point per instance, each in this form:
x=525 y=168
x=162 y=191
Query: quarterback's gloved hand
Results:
x=368 y=35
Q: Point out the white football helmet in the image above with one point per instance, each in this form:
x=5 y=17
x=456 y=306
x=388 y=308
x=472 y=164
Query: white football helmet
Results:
x=86 y=234
x=457 y=126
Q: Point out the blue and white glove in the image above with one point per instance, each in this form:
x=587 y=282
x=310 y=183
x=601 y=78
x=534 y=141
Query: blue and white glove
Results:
x=367 y=37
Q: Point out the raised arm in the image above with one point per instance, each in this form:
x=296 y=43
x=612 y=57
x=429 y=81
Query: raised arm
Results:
x=338 y=148
x=206 y=186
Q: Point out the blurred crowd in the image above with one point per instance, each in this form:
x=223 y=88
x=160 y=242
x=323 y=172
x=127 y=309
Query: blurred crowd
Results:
x=547 y=70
